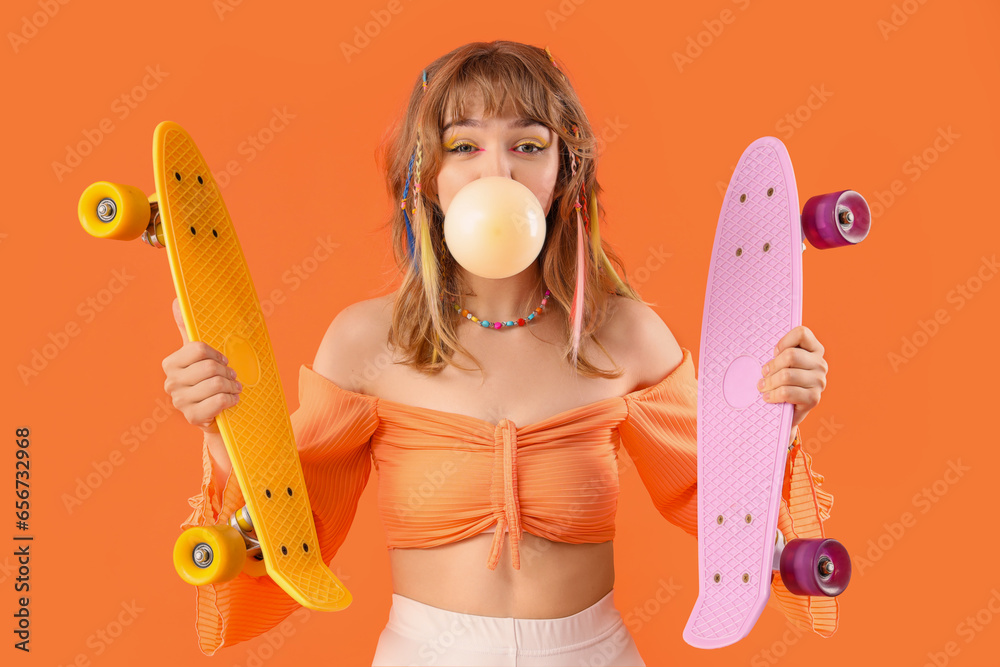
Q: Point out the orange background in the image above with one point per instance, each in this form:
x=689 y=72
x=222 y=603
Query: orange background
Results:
x=882 y=435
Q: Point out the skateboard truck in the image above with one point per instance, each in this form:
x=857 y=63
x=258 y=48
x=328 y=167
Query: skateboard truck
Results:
x=154 y=231
x=202 y=555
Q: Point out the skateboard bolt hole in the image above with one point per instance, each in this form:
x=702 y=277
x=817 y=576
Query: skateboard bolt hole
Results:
x=192 y=230
x=743 y=198
x=289 y=489
x=748 y=518
x=305 y=547
x=770 y=191
x=718 y=519
x=215 y=233
x=177 y=175
x=284 y=550
x=200 y=181
x=717 y=578
x=267 y=492
x=767 y=246
x=746 y=577
x=739 y=251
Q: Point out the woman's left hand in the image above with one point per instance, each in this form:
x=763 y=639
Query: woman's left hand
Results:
x=796 y=374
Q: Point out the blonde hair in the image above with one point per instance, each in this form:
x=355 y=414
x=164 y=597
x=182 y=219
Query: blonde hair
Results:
x=521 y=75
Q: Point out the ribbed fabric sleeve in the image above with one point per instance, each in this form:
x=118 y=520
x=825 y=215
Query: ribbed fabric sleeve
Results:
x=660 y=434
x=333 y=430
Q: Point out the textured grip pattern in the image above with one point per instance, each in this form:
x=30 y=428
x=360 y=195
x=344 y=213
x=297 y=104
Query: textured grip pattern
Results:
x=752 y=299
x=221 y=308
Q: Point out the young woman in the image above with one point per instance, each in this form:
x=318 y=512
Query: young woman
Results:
x=498 y=486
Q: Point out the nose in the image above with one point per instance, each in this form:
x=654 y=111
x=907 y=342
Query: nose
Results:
x=496 y=164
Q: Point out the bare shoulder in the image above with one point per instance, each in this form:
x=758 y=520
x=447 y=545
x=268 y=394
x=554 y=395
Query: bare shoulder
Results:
x=353 y=337
x=648 y=347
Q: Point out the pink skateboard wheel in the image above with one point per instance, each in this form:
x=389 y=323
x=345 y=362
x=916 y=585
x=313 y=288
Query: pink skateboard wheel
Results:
x=815 y=567
x=836 y=219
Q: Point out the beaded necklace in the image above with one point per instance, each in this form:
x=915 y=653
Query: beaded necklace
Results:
x=500 y=325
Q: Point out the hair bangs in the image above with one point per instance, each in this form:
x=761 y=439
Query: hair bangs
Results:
x=502 y=83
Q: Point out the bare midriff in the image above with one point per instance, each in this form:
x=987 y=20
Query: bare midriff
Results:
x=555 y=579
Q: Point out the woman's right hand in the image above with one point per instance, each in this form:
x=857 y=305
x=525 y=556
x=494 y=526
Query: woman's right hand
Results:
x=198 y=380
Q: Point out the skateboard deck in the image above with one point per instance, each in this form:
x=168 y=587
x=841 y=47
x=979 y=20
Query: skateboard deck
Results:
x=220 y=307
x=753 y=298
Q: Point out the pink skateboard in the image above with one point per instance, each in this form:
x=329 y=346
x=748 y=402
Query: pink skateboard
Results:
x=754 y=297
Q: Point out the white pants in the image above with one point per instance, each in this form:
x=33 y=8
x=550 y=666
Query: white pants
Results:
x=419 y=634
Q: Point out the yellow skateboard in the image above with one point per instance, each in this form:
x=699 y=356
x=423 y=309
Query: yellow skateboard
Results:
x=220 y=307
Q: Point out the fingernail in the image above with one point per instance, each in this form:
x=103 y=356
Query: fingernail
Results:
x=225 y=360
x=239 y=385
x=763 y=371
x=760 y=385
x=232 y=373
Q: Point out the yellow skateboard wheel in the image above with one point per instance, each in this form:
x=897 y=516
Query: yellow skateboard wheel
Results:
x=113 y=211
x=209 y=554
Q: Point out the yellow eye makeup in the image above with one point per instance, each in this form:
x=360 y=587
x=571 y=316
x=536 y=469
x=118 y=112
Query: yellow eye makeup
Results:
x=456 y=146
x=539 y=146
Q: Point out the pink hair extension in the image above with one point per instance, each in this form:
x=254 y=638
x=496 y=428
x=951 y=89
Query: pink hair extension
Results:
x=576 y=310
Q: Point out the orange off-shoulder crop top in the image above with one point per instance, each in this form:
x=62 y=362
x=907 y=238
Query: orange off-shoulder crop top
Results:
x=444 y=477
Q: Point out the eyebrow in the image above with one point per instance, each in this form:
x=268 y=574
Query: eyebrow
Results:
x=472 y=122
